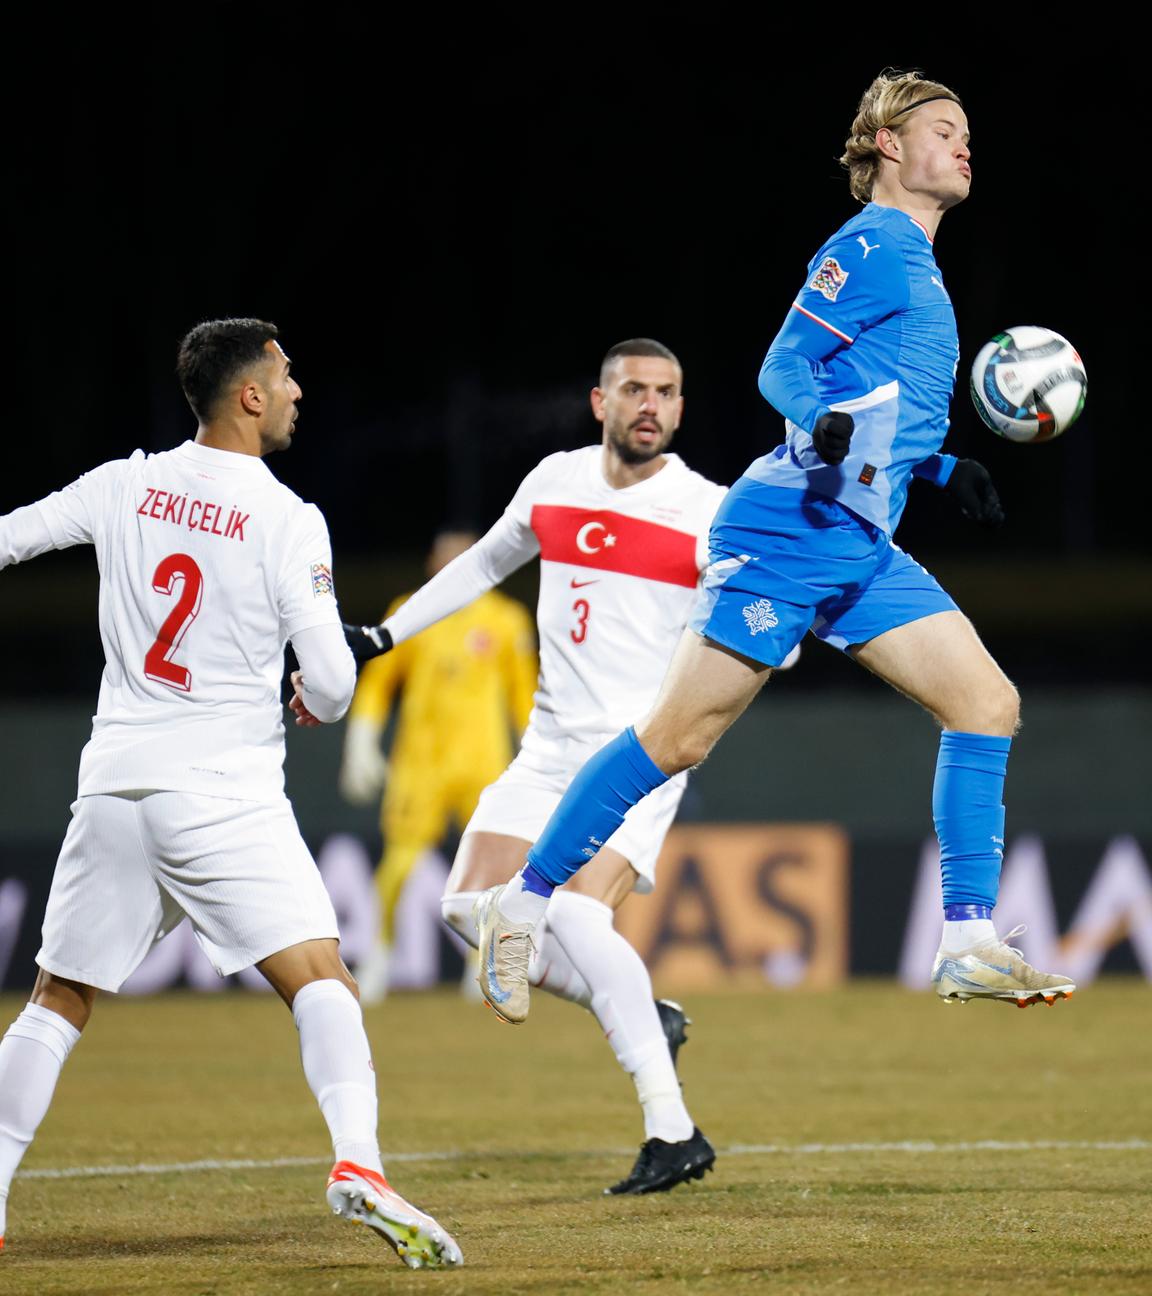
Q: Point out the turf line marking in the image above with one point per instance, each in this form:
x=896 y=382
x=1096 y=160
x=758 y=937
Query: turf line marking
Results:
x=739 y=1149
x=982 y=1145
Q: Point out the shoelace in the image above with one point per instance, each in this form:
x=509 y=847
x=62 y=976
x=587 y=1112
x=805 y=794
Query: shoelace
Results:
x=1002 y=941
x=646 y=1158
x=519 y=954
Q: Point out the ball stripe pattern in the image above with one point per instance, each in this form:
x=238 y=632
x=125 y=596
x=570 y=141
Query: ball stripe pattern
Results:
x=1028 y=384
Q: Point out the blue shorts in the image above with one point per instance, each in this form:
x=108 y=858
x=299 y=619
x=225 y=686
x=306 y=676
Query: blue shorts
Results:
x=784 y=561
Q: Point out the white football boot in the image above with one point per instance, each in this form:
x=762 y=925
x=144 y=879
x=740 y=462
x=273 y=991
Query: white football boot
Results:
x=505 y=949
x=993 y=969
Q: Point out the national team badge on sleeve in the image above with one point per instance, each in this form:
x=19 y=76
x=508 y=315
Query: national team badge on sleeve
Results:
x=830 y=278
x=321 y=579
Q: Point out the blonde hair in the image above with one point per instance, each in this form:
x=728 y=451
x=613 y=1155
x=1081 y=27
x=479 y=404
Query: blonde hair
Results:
x=889 y=97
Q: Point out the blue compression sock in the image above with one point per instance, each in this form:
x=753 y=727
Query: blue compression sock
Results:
x=594 y=806
x=967 y=805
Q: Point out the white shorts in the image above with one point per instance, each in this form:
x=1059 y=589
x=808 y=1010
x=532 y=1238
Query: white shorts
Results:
x=522 y=800
x=134 y=864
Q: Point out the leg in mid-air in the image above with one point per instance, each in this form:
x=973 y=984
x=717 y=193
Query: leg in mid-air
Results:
x=707 y=687
x=32 y=1054
x=940 y=662
x=577 y=954
x=313 y=981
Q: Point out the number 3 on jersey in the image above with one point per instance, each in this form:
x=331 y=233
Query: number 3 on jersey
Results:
x=580 y=632
x=157 y=663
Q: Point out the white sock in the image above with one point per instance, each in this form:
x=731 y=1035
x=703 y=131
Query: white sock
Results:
x=338 y=1067
x=521 y=906
x=963 y=934
x=623 y=1005
x=32 y=1052
x=549 y=968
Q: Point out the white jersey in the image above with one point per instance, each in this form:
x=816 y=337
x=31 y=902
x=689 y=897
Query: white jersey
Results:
x=208 y=565
x=619 y=571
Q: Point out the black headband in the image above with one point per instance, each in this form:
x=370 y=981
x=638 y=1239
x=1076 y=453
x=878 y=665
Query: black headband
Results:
x=918 y=104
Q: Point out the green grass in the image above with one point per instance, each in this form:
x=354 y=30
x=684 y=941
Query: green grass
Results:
x=533 y=1122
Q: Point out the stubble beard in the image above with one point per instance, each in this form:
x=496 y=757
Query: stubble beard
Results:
x=634 y=454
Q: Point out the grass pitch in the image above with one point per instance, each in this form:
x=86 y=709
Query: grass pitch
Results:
x=847 y=1123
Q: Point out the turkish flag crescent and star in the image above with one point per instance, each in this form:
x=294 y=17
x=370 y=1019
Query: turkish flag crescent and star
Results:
x=607 y=541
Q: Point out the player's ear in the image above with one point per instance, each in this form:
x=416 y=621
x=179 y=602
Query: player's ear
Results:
x=888 y=142
x=597 y=399
x=252 y=397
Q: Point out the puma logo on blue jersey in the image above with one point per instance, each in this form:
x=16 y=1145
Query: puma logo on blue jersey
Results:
x=874 y=247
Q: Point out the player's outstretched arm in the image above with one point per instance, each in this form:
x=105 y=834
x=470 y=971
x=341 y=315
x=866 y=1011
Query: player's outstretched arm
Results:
x=970 y=484
x=508 y=545
x=60 y=520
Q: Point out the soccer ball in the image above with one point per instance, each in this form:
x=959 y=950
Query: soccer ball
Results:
x=1028 y=384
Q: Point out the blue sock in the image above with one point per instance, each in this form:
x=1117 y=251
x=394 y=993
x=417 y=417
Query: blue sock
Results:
x=967 y=805
x=594 y=806
x=532 y=881
x=964 y=912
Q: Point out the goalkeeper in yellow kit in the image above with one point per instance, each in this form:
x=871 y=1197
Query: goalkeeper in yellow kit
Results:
x=466 y=686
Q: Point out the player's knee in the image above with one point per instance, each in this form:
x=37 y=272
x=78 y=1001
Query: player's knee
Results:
x=672 y=750
x=996 y=710
x=1001 y=710
x=1010 y=709
x=690 y=749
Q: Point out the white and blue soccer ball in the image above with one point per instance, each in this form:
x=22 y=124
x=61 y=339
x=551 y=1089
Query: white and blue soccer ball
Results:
x=1028 y=384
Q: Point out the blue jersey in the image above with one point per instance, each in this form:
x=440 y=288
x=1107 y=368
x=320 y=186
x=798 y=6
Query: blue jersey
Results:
x=872 y=333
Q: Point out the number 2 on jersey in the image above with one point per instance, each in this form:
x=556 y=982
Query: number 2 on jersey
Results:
x=580 y=632
x=157 y=663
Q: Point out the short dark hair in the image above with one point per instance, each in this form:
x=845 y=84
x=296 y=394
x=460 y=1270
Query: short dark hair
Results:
x=213 y=353
x=636 y=347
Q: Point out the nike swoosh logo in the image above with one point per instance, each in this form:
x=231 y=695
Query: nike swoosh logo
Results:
x=499 y=994
x=580 y=584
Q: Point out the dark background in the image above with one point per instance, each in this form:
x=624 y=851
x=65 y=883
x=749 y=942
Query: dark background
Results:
x=452 y=219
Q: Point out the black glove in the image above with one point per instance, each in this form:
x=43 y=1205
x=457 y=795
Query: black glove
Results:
x=831 y=435
x=971 y=486
x=366 y=642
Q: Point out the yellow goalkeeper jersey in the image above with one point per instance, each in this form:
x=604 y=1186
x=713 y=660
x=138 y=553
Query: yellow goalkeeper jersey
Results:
x=466 y=685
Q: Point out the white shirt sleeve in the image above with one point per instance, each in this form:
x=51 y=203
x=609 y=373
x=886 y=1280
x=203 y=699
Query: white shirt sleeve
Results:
x=65 y=518
x=327 y=668
x=24 y=534
x=306 y=595
x=498 y=553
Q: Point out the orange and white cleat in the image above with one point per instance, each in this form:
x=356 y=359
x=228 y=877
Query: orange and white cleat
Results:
x=365 y=1197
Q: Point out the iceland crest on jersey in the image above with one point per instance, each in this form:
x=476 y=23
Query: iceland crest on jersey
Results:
x=830 y=278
